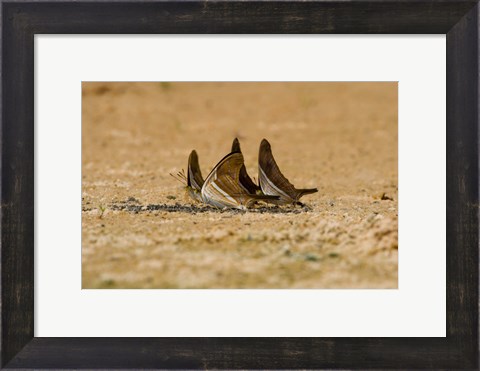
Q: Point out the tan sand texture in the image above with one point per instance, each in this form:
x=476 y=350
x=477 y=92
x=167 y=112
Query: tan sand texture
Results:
x=338 y=137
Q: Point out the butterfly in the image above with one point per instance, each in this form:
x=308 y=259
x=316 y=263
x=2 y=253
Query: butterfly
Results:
x=224 y=187
x=193 y=180
x=273 y=182
x=244 y=178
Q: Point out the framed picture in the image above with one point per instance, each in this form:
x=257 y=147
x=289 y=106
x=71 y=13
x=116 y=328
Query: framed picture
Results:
x=239 y=266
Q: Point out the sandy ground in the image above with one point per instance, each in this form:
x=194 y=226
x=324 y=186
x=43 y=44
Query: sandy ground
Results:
x=338 y=137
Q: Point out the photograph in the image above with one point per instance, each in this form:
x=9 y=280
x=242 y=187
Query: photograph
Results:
x=239 y=185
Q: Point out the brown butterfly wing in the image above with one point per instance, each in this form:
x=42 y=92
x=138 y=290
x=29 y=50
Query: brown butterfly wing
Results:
x=244 y=178
x=271 y=179
x=194 y=175
x=222 y=184
x=236 y=145
x=222 y=187
x=229 y=167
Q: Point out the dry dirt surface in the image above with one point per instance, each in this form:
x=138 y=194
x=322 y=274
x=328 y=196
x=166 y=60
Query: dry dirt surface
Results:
x=140 y=229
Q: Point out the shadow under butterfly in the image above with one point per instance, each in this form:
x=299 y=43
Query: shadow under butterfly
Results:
x=227 y=186
x=273 y=182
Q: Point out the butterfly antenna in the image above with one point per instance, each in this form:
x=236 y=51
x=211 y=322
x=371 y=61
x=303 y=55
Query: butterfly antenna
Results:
x=179 y=177
x=182 y=175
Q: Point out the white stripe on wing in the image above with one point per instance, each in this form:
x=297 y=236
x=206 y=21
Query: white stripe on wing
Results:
x=225 y=194
x=278 y=191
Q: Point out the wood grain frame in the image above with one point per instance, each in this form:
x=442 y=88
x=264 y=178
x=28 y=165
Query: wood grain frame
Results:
x=21 y=20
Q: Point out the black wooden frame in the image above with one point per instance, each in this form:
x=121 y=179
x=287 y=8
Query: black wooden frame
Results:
x=459 y=20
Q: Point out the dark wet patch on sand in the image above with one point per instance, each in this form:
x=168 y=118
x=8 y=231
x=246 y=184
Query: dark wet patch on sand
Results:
x=194 y=209
x=135 y=207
